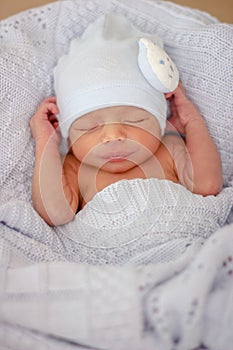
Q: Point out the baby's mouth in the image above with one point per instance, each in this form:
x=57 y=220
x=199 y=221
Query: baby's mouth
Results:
x=117 y=156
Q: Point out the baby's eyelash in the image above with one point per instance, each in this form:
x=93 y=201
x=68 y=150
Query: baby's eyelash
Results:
x=86 y=129
x=135 y=121
x=89 y=128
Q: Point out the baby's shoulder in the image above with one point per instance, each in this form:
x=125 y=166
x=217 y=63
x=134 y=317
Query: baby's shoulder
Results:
x=172 y=145
x=172 y=139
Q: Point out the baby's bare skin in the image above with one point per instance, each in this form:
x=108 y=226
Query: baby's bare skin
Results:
x=118 y=143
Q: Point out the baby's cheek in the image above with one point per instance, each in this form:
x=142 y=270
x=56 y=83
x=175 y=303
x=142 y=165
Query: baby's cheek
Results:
x=75 y=136
x=83 y=148
x=152 y=130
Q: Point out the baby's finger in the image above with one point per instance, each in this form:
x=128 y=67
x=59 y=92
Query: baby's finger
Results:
x=49 y=108
x=53 y=119
x=168 y=95
x=56 y=125
x=173 y=108
x=50 y=99
x=180 y=98
x=53 y=108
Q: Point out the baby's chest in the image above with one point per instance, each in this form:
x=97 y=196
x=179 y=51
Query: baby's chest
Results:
x=91 y=182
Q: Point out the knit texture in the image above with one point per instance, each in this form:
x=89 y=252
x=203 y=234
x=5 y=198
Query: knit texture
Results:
x=179 y=305
x=177 y=300
x=107 y=67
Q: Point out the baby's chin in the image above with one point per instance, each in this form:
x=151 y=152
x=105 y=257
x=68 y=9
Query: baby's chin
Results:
x=118 y=166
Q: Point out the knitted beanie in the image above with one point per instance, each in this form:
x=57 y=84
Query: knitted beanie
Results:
x=113 y=64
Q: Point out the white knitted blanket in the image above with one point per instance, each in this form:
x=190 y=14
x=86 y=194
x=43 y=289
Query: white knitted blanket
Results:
x=170 y=283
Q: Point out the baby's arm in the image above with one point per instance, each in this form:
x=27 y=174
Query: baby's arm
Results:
x=198 y=164
x=53 y=198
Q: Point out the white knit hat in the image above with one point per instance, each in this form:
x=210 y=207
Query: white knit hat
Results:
x=113 y=64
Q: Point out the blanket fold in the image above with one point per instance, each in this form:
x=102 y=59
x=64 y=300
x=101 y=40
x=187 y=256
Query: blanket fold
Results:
x=170 y=305
x=138 y=221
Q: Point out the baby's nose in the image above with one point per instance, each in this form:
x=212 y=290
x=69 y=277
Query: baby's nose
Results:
x=113 y=131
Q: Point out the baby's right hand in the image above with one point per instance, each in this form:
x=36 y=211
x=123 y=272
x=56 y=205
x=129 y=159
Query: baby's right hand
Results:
x=44 y=124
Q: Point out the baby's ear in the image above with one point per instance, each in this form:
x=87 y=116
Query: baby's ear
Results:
x=157 y=67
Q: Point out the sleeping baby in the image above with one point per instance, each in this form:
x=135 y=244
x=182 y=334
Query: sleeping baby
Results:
x=112 y=91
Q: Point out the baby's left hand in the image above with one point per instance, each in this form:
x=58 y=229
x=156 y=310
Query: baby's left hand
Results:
x=182 y=110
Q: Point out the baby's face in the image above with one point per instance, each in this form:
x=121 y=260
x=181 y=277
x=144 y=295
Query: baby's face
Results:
x=115 y=139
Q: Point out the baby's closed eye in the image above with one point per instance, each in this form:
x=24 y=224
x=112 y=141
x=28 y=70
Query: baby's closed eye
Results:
x=87 y=125
x=134 y=120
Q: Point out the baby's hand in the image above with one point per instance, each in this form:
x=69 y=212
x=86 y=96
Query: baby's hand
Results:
x=44 y=124
x=182 y=109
